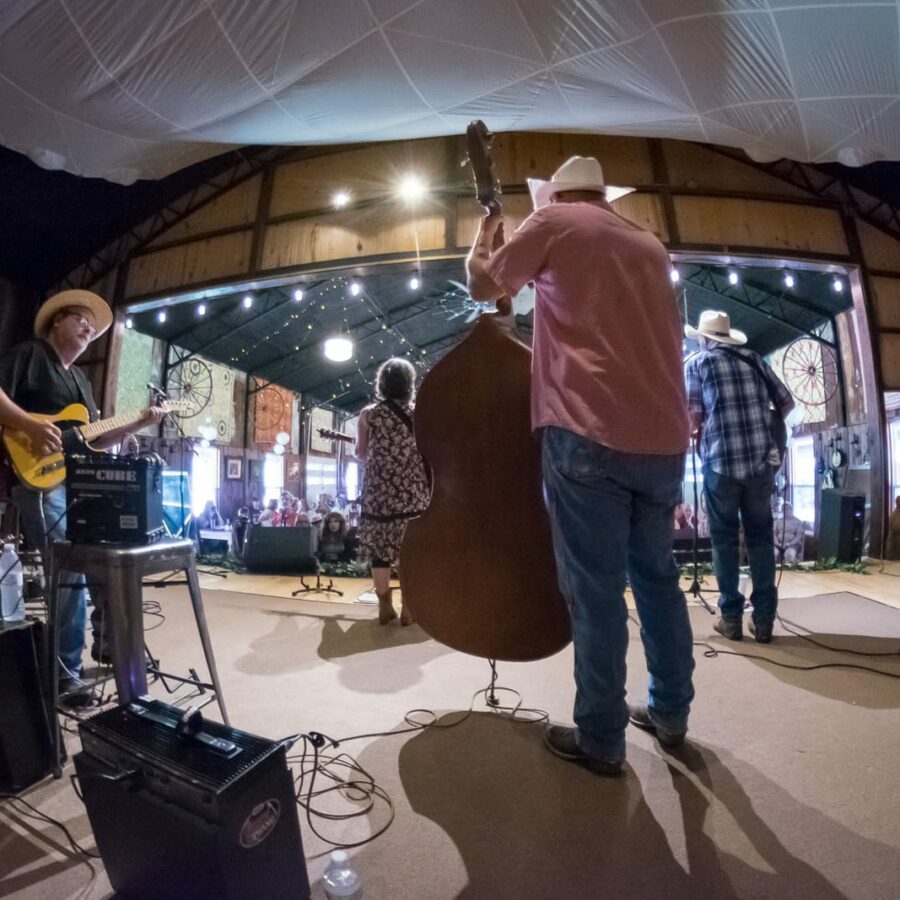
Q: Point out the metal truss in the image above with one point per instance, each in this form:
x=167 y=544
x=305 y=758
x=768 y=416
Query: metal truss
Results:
x=876 y=212
x=244 y=164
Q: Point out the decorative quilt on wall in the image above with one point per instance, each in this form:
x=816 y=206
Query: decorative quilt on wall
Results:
x=209 y=389
x=140 y=363
x=273 y=412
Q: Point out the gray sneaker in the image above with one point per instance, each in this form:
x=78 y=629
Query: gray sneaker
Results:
x=640 y=716
x=560 y=741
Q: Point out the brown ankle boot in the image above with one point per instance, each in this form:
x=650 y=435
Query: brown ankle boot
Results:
x=386 y=612
x=406 y=615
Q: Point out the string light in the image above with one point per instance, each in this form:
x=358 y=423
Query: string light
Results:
x=355 y=288
x=201 y=309
x=129 y=322
x=248 y=301
x=675 y=275
x=161 y=317
x=838 y=285
x=414 y=283
x=732 y=277
x=298 y=295
x=788 y=280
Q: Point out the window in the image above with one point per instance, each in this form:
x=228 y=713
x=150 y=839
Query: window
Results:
x=321 y=477
x=351 y=480
x=273 y=477
x=894 y=444
x=803 y=476
x=204 y=478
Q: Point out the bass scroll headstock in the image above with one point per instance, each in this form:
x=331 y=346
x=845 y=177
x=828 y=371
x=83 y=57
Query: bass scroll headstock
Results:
x=478 y=147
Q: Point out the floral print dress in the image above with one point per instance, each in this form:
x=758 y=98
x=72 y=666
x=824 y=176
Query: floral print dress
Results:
x=395 y=483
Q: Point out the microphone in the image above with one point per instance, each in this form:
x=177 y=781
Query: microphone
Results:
x=157 y=392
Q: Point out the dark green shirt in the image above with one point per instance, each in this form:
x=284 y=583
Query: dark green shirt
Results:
x=32 y=375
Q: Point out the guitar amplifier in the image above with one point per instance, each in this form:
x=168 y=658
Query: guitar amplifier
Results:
x=186 y=808
x=112 y=500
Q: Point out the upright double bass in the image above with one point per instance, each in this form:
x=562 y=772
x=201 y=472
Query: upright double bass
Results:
x=477 y=567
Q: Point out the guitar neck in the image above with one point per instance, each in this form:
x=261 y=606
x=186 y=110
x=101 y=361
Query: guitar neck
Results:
x=93 y=430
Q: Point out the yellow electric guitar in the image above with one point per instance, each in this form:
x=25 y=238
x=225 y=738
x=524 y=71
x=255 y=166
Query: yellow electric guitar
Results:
x=41 y=473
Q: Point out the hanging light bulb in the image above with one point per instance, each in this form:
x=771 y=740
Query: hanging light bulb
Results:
x=414 y=283
x=788 y=280
x=129 y=322
x=278 y=449
x=161 y=317
x=675 y=275
x=732 y=277
x=838 y=286
x=201 y=309
x=338 y=349
x=282 y=437
x=340 y=199
x=298 y=295
x=204 y=443
x=355 y=288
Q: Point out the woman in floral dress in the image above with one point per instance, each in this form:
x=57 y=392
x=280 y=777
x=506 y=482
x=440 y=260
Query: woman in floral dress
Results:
x=395 y=486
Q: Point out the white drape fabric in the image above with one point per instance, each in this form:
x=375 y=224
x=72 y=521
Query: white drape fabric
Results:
x=127 y=89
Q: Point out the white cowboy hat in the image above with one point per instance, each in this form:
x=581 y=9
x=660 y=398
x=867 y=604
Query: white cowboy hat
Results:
x=99 y=308
x=580 y=173
x=716 y=326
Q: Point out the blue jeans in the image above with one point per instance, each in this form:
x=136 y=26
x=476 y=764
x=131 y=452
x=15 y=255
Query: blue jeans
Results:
x=731 y=502
x=612 y=516
x=46 y=510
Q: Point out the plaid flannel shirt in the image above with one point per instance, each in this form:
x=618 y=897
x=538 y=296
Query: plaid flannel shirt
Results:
x=734 y=404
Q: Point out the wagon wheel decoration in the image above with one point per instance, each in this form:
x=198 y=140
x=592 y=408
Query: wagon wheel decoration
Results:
x=192 y=382
x=269 y=409
x=810 y=371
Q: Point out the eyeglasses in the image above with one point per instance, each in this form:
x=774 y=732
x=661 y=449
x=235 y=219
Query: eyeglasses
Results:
x=84 y=321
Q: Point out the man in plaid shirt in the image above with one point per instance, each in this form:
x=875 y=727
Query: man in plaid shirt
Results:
x=729 y=405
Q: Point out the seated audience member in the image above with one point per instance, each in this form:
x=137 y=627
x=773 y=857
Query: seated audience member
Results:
x=210 y=517
x=286 y=517
x=302 y=519
x=341 y=503
x=333 y=542
x=267 y=516
x=789 y=535
x=684 y=527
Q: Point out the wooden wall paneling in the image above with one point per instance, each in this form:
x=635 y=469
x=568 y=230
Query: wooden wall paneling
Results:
x=521 y=155
x=469 y=213
x=695 y=167
x=352 y=233
x=234 y=207
x=733 y=222
x=890 y=360
x=368 y=173
x=191 y=263
x=881 y=251
x=644 y=209
x=886 y=296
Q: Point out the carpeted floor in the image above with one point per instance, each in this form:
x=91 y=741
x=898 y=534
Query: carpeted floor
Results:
x=788 y=786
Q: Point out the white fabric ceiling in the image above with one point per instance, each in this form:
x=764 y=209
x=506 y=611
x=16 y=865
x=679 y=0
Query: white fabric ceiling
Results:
x=126 y=89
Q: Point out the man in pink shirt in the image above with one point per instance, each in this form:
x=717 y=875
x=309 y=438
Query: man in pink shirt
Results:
x=608 y=402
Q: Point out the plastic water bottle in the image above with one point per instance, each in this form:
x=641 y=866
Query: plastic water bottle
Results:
x=13 y=602
x=341 y=880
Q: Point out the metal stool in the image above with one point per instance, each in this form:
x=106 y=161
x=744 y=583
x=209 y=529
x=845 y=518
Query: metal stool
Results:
x=116 y=575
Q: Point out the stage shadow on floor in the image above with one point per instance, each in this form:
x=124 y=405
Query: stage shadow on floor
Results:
x=529 y=825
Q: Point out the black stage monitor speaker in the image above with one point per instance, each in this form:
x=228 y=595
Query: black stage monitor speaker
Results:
x=281 y=549
x=842 y=514
x=26 y=750
x=185 y=808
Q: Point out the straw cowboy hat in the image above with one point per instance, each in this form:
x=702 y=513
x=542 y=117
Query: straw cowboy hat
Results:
x=64 y=300
x=716 y=326
x=580 y=173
